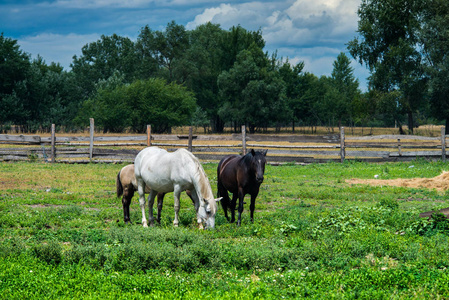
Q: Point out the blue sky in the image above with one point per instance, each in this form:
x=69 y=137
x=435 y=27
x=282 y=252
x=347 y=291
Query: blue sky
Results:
x=313 y=31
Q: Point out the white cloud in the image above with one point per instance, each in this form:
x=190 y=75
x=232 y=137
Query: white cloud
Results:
x=301 y=30
x=55 y=47
x=210 y=14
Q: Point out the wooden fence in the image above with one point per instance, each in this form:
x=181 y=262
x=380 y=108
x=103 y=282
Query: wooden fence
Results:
x=281 y=148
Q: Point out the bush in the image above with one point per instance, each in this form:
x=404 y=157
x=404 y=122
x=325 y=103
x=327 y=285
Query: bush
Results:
x=437 y=223
x=50 y=252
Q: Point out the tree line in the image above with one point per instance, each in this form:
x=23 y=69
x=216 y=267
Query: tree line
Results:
x=212 y=78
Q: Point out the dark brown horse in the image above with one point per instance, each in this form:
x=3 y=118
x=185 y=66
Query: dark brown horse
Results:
x=240 y=175
x=126 y=185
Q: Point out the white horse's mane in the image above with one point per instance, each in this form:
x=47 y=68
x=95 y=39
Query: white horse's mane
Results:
x=202 y=178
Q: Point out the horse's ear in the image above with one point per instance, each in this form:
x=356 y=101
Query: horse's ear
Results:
x=264 y=152
x=253 y=153
x=218 y=199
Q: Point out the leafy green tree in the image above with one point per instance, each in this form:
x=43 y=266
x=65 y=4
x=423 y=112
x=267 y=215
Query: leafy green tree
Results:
x=343 y=90
x=14 y=70
x=253 y=92
x=435 y=37
x=100 y=59
x=389 y=46
x=107 y=105
x=236 y=40
x=203 y=66
x=116 y=106
x=211 y=51
x=164 y=48
x=294 y=90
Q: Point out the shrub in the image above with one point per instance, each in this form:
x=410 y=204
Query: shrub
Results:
x=437 y=223
x=50 y=252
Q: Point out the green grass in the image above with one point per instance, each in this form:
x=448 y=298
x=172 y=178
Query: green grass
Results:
x=62 y=236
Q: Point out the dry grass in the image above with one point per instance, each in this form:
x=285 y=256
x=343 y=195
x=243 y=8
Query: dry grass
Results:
x=439 y=183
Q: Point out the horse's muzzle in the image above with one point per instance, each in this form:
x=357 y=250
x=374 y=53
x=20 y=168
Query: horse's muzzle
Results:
x=259 y=179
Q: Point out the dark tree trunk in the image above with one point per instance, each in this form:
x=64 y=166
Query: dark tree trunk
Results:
x=410 y=121
x=218 y=125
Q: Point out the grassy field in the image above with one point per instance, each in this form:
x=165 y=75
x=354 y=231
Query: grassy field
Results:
x=62 y=236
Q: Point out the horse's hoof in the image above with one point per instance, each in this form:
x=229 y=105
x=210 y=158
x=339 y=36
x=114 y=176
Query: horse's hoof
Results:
x=145 y=224
x=176 y=224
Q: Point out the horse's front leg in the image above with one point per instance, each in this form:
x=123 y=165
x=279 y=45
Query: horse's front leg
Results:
x=141 y=191
x=176 y=195
x=196 y=203
x=160 y=202
x=151 y=197
x=253 y=205
x=241 y=198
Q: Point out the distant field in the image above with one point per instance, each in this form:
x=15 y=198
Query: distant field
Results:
x=315 y=235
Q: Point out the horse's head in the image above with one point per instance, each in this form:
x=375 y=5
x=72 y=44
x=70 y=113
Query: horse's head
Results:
x=258 y=164
x=207 y=211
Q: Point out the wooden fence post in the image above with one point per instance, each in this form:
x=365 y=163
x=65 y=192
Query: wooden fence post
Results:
x=342 y=144
x=190 y=139
x=443 y=143
x=148 y=135
x=91 y=144
x=53 y=140
x=244 y=139
x=399 y=147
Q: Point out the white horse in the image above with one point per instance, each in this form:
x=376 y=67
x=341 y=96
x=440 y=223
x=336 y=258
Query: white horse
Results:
x=178 y=171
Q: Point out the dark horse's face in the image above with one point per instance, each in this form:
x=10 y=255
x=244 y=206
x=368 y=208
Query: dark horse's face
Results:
x=258 y=164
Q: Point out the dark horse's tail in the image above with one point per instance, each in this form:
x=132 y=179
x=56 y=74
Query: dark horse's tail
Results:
x=119 y=185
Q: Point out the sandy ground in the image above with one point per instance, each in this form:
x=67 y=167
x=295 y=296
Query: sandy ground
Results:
x=440 y=182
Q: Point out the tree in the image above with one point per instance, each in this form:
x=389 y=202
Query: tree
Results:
x=15 y=68
x=100 y=59
x=203 y=59
x=343 y=89
x=253 y=91
x=164 y=47
x=389 y=46
x=292 y=77
x=435 y=38
x=117 y=106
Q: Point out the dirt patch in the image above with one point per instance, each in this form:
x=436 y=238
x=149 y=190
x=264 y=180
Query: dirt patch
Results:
x=440 y=182
x=7 y=183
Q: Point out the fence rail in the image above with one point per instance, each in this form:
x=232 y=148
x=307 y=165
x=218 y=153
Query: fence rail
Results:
x=281 y=148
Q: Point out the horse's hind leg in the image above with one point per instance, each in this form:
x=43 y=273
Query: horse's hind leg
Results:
x=241 y=198
x=141 y=191
x=160 y=202
x=128 y=194
x=151 y=197
x=232 y=206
